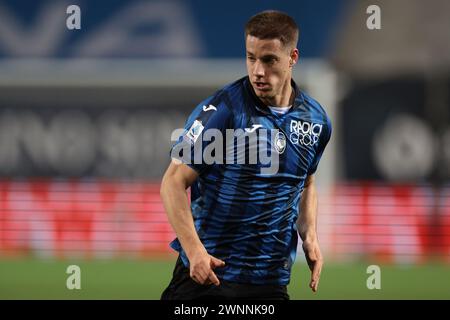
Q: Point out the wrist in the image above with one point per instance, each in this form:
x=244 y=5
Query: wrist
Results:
x=308 y=234
x=194 y=250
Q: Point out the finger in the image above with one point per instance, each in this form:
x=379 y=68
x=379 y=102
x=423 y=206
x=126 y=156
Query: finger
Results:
x=314 y=285
x=194 y=278
x=199 y=276
x=216 y=262
x=315 y=275
x=213 y=278
x=204 y=279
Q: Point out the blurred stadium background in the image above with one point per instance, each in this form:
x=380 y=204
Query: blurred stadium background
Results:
x=86 y=117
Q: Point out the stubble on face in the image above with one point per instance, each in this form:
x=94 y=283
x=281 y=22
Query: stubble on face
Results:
x=268 y=69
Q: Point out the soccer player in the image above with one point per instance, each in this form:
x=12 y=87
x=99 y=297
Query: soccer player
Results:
x=238 y=238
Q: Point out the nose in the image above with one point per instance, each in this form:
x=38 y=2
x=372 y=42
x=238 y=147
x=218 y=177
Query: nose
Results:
x=258 y=69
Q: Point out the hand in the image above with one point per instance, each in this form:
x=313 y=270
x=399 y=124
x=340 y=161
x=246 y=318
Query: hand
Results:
x=315 y=261
x=202 y=265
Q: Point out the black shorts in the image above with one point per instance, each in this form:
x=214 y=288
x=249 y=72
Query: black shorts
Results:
x=182 y=287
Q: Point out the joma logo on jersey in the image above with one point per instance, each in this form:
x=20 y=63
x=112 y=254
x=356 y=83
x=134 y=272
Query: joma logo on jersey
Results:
x=305 y=133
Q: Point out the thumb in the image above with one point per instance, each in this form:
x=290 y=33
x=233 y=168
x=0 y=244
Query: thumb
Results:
x=216 y=262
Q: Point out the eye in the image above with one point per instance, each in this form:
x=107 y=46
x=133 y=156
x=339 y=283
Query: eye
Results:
x=269 y=60
x=252 y=59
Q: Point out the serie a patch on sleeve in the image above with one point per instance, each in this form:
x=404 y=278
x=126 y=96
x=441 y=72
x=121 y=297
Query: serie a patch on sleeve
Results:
x=194 y=132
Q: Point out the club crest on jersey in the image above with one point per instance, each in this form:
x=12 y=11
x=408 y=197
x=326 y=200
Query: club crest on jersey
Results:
x=280 y=142
x=194 y=131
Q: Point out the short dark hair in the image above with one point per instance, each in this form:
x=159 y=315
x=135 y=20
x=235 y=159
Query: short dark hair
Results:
x=273 y=24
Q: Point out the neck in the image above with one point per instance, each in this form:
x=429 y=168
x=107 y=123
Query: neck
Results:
x=283 y=99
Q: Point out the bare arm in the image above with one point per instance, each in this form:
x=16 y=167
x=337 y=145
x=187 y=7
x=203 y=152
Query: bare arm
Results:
x=307 y=229
x=176 y=180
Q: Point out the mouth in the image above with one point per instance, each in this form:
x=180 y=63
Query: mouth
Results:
x=262 y=86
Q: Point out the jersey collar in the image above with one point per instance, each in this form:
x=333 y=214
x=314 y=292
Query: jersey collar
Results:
x=260 y=106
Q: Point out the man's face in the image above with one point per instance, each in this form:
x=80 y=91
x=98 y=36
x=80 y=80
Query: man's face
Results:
x=269 y=66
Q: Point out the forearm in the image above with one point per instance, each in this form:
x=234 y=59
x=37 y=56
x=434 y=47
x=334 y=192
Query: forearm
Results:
x=307 y=229
x=307 y=220
x=176 y=203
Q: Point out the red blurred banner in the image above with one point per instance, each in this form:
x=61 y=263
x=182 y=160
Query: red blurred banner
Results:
x=83 y=218
x=397 y=223
x=115 y=218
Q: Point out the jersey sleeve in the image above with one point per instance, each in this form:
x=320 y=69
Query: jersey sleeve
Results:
x=324 y=139
x=208 y=120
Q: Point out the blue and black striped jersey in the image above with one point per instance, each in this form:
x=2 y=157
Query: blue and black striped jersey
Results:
x=243 y=215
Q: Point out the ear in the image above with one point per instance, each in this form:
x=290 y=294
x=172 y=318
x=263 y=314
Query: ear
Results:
x=294 y=57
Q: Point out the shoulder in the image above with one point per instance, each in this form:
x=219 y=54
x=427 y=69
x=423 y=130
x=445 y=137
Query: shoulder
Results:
x=221 y=105
x=317 y=114
x=230 y=93
x=225 y=98
x=315 y=109
x=312 y=106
